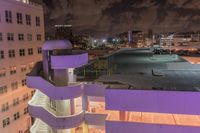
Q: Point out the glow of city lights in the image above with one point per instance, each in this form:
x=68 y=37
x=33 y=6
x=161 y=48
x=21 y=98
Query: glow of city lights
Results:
x=104 y=40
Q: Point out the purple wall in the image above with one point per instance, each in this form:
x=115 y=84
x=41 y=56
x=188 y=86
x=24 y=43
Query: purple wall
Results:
x=69 y=61
x=95 y=119
x=56 y=93
x=97 y=90
x=56 y=122
x=153 y=101
x=131 y=127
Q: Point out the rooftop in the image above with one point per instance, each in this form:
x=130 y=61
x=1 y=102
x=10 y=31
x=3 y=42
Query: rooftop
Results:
x=138 y=69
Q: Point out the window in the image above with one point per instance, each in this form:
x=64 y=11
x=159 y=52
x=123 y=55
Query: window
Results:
x=23 y=82
x=39 y=50
x=32 y=92
x=11 y=53
x=19 y=18
x=3 y=89
x=37 y=19
x=26 y=110
x=6 y=122
x=28 y=19
x=5 y=107
x=21 y=52
x=29 y=37
x=14 y=85
x=8 y=16
x=16 y=116
x=2 y=73
x=1 y=36
x=25 y=97
x=20 y=37
x=30 y=51
x=39 y=37
x=2 y=54
x=23 y=68
x=10 y=36
x=15 y=101
x=31 y=65
x=13 y=70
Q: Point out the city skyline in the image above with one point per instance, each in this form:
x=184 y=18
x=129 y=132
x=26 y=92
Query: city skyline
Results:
x=101 y=17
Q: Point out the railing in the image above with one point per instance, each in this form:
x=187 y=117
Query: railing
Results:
x=69 y=61
x=39 y=108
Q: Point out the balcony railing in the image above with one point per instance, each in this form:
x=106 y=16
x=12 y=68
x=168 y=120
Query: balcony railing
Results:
x=69 y=61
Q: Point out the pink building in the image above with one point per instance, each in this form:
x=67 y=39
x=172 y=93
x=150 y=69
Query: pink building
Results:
x=63 y=105
x=21 y=38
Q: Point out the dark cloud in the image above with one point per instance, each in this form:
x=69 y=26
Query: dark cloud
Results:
x=111 y=16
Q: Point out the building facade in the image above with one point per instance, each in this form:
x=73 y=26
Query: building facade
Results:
x=63 y=105
x=21 y=38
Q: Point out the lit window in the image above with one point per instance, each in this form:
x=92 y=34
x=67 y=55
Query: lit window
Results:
x=6 y=122
x=15 y=101
x=2 y=73
x=13 y=70
x=20 y=37
x=19 y=18
x=8 y=16
x=26 y=110
x=14 y=85
x=23 y=68
x=5 y=107
x=30 y=51
x=3 y=89
x=29 y=37
x=25 y=97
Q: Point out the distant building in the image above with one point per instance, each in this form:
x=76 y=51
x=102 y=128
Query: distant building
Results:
x=63 y=32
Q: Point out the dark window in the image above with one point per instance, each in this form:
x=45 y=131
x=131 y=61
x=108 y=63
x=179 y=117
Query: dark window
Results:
x=16 y=116
x=11 y=53
x=20 y=37
x=3 y=89
x=30 y=51
x=28 y=19
x=19 y=18
x=2 y=54
x=23 y=82
x=39 y=37
x=10 y=36
x=8 y=16
x=39 y=50
x=37 y=19
x=1 y=36
x=21 y=52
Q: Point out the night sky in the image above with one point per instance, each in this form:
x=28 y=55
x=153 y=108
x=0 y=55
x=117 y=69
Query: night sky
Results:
x=100 y=17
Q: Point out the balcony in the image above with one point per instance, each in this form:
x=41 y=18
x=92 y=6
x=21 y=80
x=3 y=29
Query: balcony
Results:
x=35 y=81
x=39 y=107
x=69 y=61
